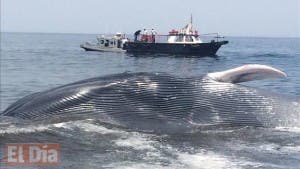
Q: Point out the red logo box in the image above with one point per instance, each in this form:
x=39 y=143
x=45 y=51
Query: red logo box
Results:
x=32 y=154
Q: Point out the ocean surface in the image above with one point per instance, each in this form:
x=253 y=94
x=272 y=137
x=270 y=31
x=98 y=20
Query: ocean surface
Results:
x=36 y=62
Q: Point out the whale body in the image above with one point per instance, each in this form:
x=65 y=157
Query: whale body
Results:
x=162 y=102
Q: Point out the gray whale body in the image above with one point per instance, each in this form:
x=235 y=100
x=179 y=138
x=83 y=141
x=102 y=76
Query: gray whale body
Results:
x=161 y=102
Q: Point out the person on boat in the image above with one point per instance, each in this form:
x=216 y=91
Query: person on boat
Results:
x=144 y=36
x=153 y=33
x=136 y=34
x=119 y=43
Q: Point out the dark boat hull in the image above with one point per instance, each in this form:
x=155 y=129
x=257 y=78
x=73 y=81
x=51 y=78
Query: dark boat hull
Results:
x=89 y=47
x=200 y=49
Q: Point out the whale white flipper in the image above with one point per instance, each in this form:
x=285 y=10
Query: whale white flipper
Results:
x=246 y=73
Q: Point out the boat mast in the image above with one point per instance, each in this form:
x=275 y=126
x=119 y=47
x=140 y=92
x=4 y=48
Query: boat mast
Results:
x=190 y=25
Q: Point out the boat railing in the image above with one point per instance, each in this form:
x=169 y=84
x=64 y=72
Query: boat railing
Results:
x=162 y=38
x=212 y=36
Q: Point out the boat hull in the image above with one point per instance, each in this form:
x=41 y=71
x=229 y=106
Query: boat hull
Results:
x=89 y=47
x=199 y=49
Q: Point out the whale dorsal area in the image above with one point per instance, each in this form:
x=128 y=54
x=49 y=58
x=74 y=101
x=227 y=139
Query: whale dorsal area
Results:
x=246 y=73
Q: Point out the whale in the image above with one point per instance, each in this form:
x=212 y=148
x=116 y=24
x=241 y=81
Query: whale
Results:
x=165 y=103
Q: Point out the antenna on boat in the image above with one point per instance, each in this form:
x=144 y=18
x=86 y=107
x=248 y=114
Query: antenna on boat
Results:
x=191 y=18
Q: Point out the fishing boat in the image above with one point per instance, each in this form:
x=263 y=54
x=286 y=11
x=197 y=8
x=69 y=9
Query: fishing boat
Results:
x=183 y=41
x=107 y=44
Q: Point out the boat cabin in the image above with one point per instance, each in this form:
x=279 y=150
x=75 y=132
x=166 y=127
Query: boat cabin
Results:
x=184 y=35
x=116 y=41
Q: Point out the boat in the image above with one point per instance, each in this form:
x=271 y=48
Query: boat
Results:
x=183 y=41
x=107 y=44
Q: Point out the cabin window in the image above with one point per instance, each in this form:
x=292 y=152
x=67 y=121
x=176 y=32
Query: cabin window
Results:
x=102 y=42
x=106 y=43
x=111 y=42
x=188 y=39
x=179 y=39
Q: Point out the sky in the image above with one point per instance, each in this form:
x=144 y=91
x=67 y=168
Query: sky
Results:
x=259 y=18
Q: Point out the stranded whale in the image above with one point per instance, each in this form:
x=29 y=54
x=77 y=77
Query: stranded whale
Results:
x=161 y=102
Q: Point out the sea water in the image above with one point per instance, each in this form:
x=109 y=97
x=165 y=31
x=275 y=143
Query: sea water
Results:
x=32 y=62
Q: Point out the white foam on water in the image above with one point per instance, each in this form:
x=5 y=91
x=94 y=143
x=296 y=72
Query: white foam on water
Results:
x=60 y=125
x=269 y=148
x=291 y=149
x=209 y=159
x=131 y=165
x=136 y=141
x=81 y=124
x=204 y=160
x=12 y=129
x=179 y=159
x=86 y=126
x=289 y=129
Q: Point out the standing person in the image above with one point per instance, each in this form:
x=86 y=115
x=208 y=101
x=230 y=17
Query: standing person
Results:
x=136 y=34
x=144 y=36
x=153 y=33
x=145 y=31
